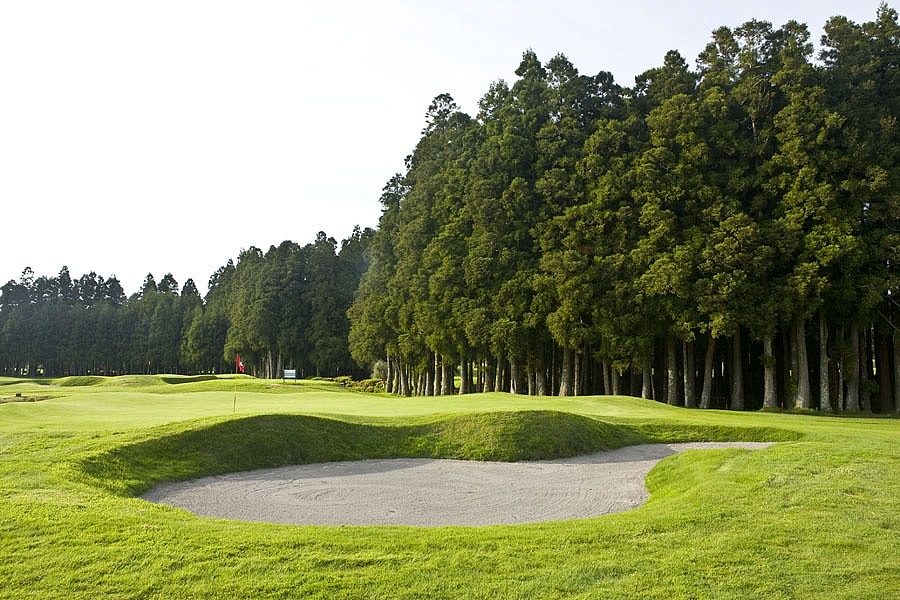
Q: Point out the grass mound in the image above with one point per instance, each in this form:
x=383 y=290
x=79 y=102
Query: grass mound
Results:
x=179 y=379
x=526 y=435
x=80 y=381
x=665 y=432
x=277 y=440
x=157 y=381
x=23 y=381
x=132 y=381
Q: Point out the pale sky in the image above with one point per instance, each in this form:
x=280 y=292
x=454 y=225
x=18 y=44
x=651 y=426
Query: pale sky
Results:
x=166 y=136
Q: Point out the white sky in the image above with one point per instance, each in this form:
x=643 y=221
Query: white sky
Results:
x=166 y=136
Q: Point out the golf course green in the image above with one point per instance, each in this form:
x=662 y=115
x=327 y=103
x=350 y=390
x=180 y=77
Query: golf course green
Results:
x=816 y=515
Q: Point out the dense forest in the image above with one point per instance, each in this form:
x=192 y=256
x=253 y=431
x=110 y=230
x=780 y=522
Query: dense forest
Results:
x=285 y=308
x=720 y=237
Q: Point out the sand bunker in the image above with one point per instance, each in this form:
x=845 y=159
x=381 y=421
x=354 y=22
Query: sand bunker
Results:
x=430 y=492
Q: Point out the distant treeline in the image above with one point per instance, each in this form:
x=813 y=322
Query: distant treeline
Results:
x=285 y=308
x=721 y=237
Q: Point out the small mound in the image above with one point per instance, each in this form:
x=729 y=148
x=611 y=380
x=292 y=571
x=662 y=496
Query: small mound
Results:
x=668 y=432
x=526 y=435
x=80 y=381
x=133 y=381
x=179 y=379
x=280 y=440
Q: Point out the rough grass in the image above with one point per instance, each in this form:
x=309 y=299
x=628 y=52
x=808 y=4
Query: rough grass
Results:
x=815 y=516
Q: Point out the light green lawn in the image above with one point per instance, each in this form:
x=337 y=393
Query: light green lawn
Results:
x=815 y=516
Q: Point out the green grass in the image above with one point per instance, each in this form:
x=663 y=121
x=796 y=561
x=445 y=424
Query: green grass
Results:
x=815 y=516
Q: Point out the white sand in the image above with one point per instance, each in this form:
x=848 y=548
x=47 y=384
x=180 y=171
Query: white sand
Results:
x=430 y=492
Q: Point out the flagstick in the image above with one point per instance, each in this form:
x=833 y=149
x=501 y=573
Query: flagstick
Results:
x=238 y=366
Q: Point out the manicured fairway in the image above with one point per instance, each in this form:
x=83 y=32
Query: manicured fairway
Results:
x=817 y=515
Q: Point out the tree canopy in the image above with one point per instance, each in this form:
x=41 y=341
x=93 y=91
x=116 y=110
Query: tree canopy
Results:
x=285 y=308
x=576 y=236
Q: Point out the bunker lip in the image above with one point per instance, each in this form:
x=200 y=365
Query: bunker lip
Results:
x=431 y=492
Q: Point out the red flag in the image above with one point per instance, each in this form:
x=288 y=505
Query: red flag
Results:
x=240 y=364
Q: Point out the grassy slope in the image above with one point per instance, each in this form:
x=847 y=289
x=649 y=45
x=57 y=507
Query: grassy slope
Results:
x=818 y=517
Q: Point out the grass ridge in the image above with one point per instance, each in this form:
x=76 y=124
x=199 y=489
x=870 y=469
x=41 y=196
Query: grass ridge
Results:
x=274 y=440
x=265 y=441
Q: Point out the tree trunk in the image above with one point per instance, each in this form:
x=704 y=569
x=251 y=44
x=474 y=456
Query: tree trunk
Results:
x=516 y=379
x=479 y=378
x=553 y=374
x=897 y=370
x=835 y=377
x=565 y=379
x=708 y=366
x=607 y=380
x=614 y=377
x=390 y=374
x=490 y=373
x=788 y=368
x=395 y=388
x=825 y=404
x=447 y=373
x=404 y=381
x=841 y=395
x=883 y=367
x=866 y=352
x=429 y=375
x=737 y=372
x=540 y=372
x=770 y=392
x=577 y=375
x=671 y=371
x=464 y=375
x=438 y=372
x=852 y=375
x=593 y=378
x=802 y=400
x=690 y=379
x=647 y=379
